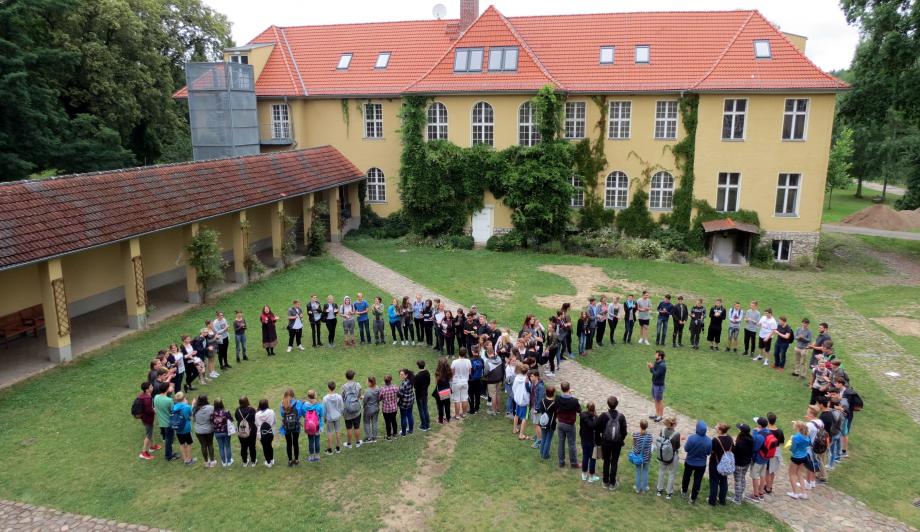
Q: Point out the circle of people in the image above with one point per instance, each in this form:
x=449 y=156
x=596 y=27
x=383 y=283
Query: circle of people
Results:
x=482 y=360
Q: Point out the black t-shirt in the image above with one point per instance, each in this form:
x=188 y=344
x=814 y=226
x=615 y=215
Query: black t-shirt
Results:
x=827 y=418
x=780 y=437
x=784 y=329
x=716 y=316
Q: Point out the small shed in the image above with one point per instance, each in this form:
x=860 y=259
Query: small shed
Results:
x=728 y=241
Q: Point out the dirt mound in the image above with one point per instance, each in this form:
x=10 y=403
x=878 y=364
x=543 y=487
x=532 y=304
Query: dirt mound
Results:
x=882 y=217
x=912 y=217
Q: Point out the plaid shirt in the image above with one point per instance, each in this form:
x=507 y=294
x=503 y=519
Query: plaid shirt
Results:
x=388 y=398
x=406 y=394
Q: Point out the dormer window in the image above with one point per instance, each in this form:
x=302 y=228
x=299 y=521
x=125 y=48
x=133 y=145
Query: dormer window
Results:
x=344 y=61
x=762 y=50
x=382 y=60
x=468 y=60
x=241 y=59
x=643 y=53
x=503 y=58
x=607 y=55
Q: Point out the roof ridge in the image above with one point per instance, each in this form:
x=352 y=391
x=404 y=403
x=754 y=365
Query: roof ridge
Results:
x=303 y=86
x=724 y=51
x=284 y=56
x=801 y=53
x=526 y=47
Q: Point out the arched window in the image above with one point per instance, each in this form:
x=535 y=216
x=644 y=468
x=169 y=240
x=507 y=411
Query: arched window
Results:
x=527 y=128
x=662 y=192
x=617 y=190
x=578 y=196
x=437 y=121
x=483 y=124
x=376 y=186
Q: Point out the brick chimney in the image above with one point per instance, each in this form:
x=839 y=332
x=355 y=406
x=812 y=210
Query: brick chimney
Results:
x=469 y=11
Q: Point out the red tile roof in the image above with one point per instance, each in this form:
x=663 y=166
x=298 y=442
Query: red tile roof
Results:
x=690 y=51
x=727 y=224
x=52 y=217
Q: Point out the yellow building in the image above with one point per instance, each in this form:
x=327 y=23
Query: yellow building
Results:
x=764 y=119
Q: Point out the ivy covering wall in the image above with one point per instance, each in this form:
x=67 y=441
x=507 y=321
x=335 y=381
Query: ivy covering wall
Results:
x=684 y=154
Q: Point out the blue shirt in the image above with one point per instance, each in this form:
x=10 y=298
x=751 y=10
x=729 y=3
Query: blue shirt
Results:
x=664 y=310
x=186 y=410
x=298 y=406
x=417 y=308
x=800 y=445
x=361 y=306
x=393 y=314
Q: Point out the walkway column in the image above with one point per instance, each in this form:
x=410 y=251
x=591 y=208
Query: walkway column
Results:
x=277 y=217
x=307 y=216
x=240 y=249
x=133 y=280
x=335 y=210
x=54 y=308
x=191 y=276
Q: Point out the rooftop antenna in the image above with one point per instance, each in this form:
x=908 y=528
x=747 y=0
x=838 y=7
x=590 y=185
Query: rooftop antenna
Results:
x=439 y=10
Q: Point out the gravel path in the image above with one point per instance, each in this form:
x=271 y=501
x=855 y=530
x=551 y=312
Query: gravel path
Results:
x=826 y=509
x=868 y=231
x=20 y=516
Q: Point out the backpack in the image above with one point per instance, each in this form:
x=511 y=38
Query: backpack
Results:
x=137 y=408
x=768 y=449
x=856 y=402
x=612 y=430
x=243 y=430
x=265 y=429
x=177 y=421
x=819 y=444
x=544 y=420
x=352 y=403
x=311 y=423
x=291 y=420
x=726 y=464
x=665 y=449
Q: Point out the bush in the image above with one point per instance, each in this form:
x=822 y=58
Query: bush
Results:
x=600 y=243
x=439 y=242
x=316 y=236
x=374 y=226
x=762 y=256
x=680 y=257
x=670 y=239
x=640 y=248
x=461 y=241
x=553 y=247
x=636 y=220
x=509 y=241
x=594 y=216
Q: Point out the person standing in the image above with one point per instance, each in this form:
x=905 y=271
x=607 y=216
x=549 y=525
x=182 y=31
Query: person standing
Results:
x=146 y=415
x=265 y=425
x=602 y=310
x=422 y=382
x=644 y=315
x=269 y=334
x=460 y=384
x=642 y=449
x=222 y=332
x=716 y=317
x=351 y=410
x=364 y=320
x=348 y=321
x=751 y=319
x=697 y=323
x=800 y=449
x=315 y=315
x=247 y=431
x=783 y=339
x=448 y=331
x=395 y=322
x=629 y=318
x=614 y=315
x=333 y=406
x=817 y=347
x=291 y=410
x=567 y=410
x=417 y=307
x=163 y=405
x=548 y=406
x=735 y=315
x=181 y=422
x=664 y=315
x=204 y=429
x=406 y=399
x=477 y=369
x=610 y=431
x=330 y=311
x=680 y=314
x=744 y=455
x=698 y=448
x=767 y=326
x=239 y=335
x=428 y=323
x=802 y=341
x=313 y=416
x=222 y=421
x=587 y=425
x=405 y=315
x=379 y=331
x=389 y=403
x=658 y=370
x=371 y=410
x=295 y=326
x=441 y=393
x=718 y=483
x=667 y=449
x=591 y=323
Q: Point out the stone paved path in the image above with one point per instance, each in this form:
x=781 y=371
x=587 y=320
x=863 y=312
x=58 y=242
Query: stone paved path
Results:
x=826 y=509
x=20 y=516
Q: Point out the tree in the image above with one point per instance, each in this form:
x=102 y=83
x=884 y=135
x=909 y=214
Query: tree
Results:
x=539 y=190
x=205 y=257
x=636 y=220
x=839 y=163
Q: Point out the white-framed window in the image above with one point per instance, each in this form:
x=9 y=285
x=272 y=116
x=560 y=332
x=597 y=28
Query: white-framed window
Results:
x=503 y=58
x=666 y=120
x=607 y=55
x=762 y=50
x=437 y=121
x=281 y=121
x=643 y=53
x=383 y=59
x=734 y=117
x=468 y=60
x=729 y=188
x=661 y=195
x=795 y=119
x=483 y=124
x=527 y=127
x=344 y=61
x=574 y=120
x=787 y=194
x=782 y=250
x=620 y=119
x=242 y=59
x=376 y=190
x=373 y=121
x=616 y=191
x=578 y=195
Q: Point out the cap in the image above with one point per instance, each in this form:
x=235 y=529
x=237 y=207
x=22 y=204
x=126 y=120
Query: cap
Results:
x=743 y=427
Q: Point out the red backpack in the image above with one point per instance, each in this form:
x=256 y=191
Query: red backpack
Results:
x=311 y=423
x=768 y=449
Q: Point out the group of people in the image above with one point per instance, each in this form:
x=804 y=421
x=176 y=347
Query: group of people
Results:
x=489 y=362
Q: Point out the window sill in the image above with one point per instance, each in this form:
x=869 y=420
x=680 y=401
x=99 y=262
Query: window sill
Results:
x=373 y=138
x=780 y=215
x=733 y=140
x=794 y=140
x=619 y=138
x=660 y=209
x=665 y=138
x=376 y=202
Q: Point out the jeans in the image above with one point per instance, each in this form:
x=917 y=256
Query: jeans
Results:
x=599 y=332
x=424 y=420
x=168 y=436
x=546 y=443
x=316 y=332
x=587 y=458
x=396 y=329
x=443 y=409
x=223 y=447
x=406 y=421
x=740 y=481
x=313 y=444
x=364 y=327
x=718 y=485
x=370 y=425
x=610 y=452
x=642 y=476
x=628 y=330
x=475 y=392
x=582 y=341
x=678 y=337
x=509 y=404
x=697 y=472
x=661 y=331
x=295 y=334
x=379 y=332
x=612 y=323
x=779 y=354
x=240 y=345
x=330 y=327
x=389 y=420
x=567 y=436
x=267 y=450
x=667 y=470
x=834 y=454
x=248 y=448
x=292 y=442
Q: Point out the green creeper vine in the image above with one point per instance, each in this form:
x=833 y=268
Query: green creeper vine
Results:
x=684 y=153
x=251 y=262
x=590 y=162
x=346 y=117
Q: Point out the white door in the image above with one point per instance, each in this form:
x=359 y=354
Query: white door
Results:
x=723 y=247
x=482 y=225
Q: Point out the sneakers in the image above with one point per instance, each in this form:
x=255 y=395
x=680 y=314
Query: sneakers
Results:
x=765 y=363
x=145 y=456
x=394 y=342
x=329 y=451
x=593 y=478
x=347 y=445
x=300 y=347
x=358 y=444
x=213 y=374
x=154 y=448
x=758 y=357
x=584 y=477
x=289 y=349
x=337 y=450
x=793 y=494
x=668 y=496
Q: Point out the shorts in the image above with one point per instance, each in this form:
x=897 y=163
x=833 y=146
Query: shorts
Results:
x=534 y=417
x=733 y=333
x=799 y=461
x=765 y=343
x=520 y=411
x=353 y=423
x=459 y=391
x=758 y=471
x=184 y=439
x=332 y=426
x=774 y=464
x=644 y=323
x=493 y=389
x=148 y=431
x=714 y=335
x=348 y=326
x=657 y=392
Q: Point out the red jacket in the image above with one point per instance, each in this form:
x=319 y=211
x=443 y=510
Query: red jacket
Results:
x=148 y=415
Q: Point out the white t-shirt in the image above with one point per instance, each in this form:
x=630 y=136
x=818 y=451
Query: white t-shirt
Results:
x=461 y=368
x=767 y=326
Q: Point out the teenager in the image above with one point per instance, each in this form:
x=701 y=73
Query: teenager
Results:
x=247 y=431
x=477 y=370
x=744 y=456
x=351 y=410
x=521 y=400
x=680 y=314
x=395 y=322
x=204 y=429
x=269 y=334
x=800 y=448
x=667 y=447
x=265 y=423
x=659 y=370
x=428 y=322
x=642 y=449
x=549 y=407
x=290 y=411
x=330 y=313
x=421 y=381
x=698 y=448
x=565 y=330
x=751 y=319
x=494 y=374
x=417 y=307
x=333 y=405
x=182 y=415
x=644 y=315
x=581 y=329
x=735 y=316
x=379 y=332
x=765 y=445
x=602 y=310
x=460 y=384
x=314 y=416
x=803 y=338
x=697 y=323
x=448 y=332
x=587 y=425
x=315 y=315
x=665 y=308
x=362 y=311
x=439 y=313
x=817 y=347
x=591 y=324
x=441 y=393
x=222 y=338
x=295 y=326
x=371 y=410
x=536 y=389
x=239 y=335
x=716 y=317
x=405 y=315
x=610 y=431
x=777 y=460
x=614 y=315
x=629 y=318
x=406 y=400
x=767 y=326
x=347 y=311
x=163 y=405
x=389 y=402
x=718 y=483
x=222 y=422
x=784 y=336
x=146 y=417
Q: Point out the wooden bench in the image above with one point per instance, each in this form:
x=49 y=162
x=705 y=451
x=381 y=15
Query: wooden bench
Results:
x=26 y=321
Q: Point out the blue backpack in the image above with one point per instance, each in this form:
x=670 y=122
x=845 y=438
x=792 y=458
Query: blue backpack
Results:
x=177 y=421
x=478 y=367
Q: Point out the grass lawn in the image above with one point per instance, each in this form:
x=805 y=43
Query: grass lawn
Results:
x=898 y=309
x=716 y=387
x=844 y=203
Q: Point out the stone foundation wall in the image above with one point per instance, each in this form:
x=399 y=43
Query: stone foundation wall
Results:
x=804 y=244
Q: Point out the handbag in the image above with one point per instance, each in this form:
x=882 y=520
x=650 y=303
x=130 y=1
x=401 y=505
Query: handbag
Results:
x=444 y=394
x=597 y=454
x=726 y=464
x=635 y=459
x=231 y=428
